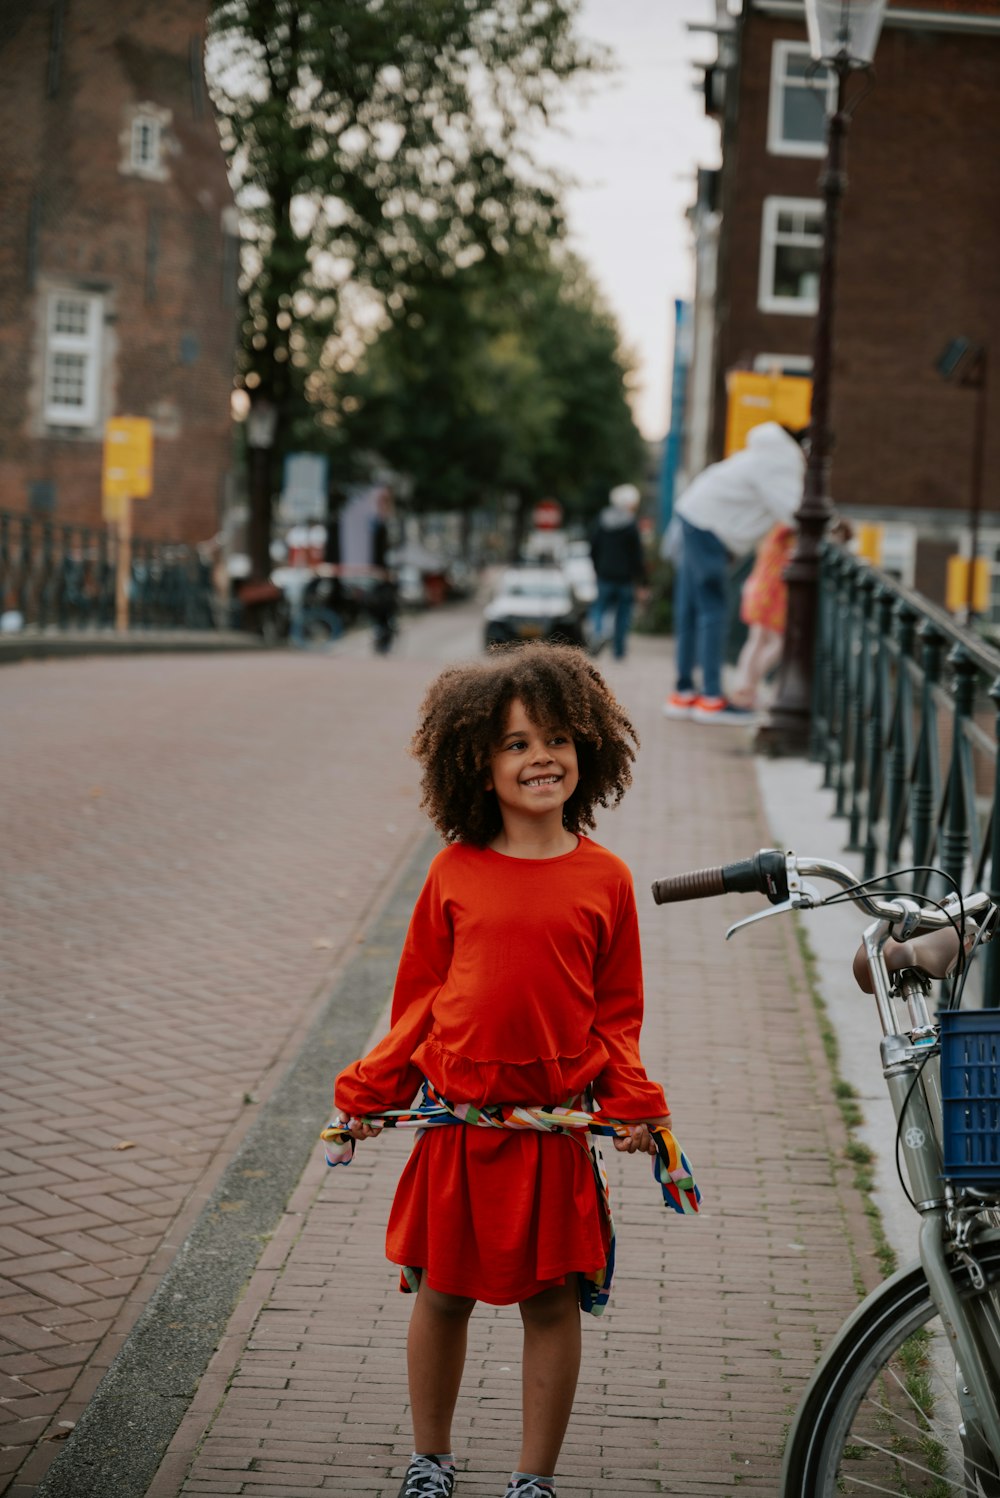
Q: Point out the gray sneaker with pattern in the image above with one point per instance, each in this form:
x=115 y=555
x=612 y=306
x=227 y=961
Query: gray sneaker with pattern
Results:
x=426 y=1478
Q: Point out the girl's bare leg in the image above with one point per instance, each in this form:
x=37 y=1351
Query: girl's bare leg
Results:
x=761 y=650
x=435 y=1358
x=548 y=1374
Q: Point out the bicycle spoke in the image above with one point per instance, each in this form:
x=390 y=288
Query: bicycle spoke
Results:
x=903 y=1461
x=943 y=1389
x=859 y=1484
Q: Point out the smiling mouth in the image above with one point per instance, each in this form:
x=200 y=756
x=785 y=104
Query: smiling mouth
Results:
x=543 y=780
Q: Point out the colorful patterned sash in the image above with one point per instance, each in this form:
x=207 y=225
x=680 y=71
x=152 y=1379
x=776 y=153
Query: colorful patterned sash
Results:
x=671 y=1168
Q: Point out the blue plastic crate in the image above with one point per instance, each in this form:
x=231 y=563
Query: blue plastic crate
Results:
x=970 y=1090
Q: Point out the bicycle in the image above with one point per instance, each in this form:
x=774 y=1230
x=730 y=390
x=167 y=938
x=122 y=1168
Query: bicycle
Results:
x=906 y=1399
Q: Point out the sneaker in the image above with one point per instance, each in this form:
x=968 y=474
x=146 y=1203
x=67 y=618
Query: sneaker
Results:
x=720 y=710
x=529 y=1488
x=426 y=1478
x=680 y=705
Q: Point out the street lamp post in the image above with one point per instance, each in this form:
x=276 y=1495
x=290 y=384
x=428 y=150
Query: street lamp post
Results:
x=967 y=364
x=262 y=423
x=843 y=35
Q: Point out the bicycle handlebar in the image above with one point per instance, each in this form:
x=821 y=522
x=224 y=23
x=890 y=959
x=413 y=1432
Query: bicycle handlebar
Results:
x=768 y=873
x=764 y=874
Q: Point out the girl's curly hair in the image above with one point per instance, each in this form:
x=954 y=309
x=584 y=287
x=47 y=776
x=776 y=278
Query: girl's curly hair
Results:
x=463 y=718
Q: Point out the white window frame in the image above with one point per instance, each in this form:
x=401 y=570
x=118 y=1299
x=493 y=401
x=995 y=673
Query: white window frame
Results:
x=767 y=298
x=777 y=145
x=150 y=163
x=138 y=119
x=899 y=551
x=86 y=345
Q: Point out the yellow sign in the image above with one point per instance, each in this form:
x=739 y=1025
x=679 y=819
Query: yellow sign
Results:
x=754 y=398
x=869 y=542
x=956 y=597
x=128 y=462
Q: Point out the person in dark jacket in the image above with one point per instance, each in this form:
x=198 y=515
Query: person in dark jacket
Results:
x=616 y=551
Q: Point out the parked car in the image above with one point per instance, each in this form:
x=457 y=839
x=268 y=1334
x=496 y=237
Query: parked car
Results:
x=579 y=568
x=534 y=603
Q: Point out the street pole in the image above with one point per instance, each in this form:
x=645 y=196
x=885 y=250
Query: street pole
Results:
x=786 y=728
x=123 y=571
x=259 y=529
x=262 y=421
x=977 y=379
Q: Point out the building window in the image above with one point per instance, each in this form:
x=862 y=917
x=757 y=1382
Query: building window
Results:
x=145 y=151
x=145 y=141
x=801 y=98
x=790 y=250
x=72 y=359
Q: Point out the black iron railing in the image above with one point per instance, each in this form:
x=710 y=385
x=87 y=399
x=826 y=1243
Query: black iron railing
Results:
x=905 y=721
x=63 y=577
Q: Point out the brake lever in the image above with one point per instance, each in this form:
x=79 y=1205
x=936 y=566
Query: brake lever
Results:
x=805 y=897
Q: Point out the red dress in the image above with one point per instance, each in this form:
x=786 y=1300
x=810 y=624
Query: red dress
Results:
x=520 y=982
x=764 y=599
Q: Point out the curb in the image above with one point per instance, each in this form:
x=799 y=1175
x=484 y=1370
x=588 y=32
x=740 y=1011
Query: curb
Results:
x=137 y=642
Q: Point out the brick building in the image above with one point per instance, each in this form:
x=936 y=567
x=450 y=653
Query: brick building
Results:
x=118 y=259
x=917 y=266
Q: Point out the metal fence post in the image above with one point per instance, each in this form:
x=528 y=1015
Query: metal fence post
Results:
x=862 y=707
x=927 y=773
x=960 y=791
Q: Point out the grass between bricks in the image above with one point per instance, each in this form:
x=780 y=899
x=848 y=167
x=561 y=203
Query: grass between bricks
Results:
x=858 y=1153
x=914 y=1353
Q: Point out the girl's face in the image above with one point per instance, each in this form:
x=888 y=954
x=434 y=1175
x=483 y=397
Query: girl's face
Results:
x=533 y=770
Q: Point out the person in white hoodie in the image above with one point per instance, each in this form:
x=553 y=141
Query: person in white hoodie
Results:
x=724 y=513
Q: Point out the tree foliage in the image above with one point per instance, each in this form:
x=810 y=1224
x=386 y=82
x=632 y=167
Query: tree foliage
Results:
x=376 y=147
x=504 y=379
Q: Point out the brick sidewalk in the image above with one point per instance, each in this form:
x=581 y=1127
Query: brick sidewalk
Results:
x=691 y=1377
x=192 y=850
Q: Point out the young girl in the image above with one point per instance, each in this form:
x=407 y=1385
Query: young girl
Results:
x=520 y=983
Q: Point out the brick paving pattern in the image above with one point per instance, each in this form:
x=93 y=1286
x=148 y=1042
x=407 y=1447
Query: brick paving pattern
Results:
x=191 y=848
x=195 y=845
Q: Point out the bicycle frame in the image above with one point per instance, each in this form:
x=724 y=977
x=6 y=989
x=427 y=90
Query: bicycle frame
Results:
x=911 y=1068
x=949 y=1281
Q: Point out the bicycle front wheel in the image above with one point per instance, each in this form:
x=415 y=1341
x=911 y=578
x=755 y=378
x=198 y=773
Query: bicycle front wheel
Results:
x=885 y=1411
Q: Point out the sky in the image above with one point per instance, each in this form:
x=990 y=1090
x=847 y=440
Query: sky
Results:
x=633 y=142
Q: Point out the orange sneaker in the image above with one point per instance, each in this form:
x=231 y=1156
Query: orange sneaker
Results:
x=680 y=704
x=720 y=710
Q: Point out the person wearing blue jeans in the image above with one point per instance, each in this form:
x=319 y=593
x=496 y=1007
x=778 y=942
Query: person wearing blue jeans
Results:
x=724 y=514
x=619 y=564
x=700 y=603
x=617 y=599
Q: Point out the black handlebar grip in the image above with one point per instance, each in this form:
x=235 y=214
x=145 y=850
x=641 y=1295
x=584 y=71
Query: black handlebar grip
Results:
x=698 y=884
x=743 y=877
x=763 y=874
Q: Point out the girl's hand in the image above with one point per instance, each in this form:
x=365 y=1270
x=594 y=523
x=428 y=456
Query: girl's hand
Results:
x=357 y=1128
x=639 y=1139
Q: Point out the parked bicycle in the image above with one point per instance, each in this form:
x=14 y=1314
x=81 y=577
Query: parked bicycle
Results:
x=906 y=1400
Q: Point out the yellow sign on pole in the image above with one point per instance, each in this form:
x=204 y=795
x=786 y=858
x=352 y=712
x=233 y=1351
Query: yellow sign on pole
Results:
x=754 y=398
x=868 y=542
x=127 y=474
x=128 y=462
x=957 y=598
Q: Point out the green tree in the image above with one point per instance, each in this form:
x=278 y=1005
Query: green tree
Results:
x=375 y=145
x=503 y=379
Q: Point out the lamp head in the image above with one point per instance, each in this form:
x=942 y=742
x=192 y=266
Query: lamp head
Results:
x=844 y=31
